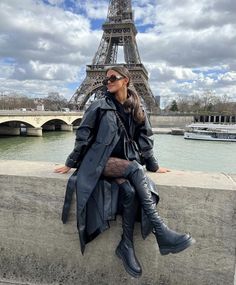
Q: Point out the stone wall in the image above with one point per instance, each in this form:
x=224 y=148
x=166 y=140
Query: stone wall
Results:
x=35 y=247
x=171 y=121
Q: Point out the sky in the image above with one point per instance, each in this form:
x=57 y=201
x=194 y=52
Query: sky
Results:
x=187 y=46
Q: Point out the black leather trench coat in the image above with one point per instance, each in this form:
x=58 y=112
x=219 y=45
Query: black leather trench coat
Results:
x=97 y=198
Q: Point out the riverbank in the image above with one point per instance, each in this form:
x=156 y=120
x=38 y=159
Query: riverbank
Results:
x=168 y=131
x=37 y=248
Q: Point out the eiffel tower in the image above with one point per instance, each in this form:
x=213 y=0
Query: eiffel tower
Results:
x=118 y=31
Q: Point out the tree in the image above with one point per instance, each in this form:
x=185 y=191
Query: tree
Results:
x=207 y=103
x=55 y=102
x=174 y=106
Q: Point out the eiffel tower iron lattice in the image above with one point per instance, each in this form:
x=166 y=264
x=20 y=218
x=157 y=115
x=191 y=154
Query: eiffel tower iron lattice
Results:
x=118 y=31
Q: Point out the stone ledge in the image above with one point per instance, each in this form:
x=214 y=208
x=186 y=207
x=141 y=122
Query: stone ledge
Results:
x=35 y=247
x=197 y=179
x=13 y=283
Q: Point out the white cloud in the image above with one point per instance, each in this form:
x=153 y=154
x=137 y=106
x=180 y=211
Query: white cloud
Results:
x=45 y=33
x=36 y=70
x=46 y=43
x=187 y=46
x=55 y=2
x=34 y=88
x=228 y=77
x=163 y=72
x=94 y=9
x=6 y=71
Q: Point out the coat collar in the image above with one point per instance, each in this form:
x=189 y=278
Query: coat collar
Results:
x=107 y=103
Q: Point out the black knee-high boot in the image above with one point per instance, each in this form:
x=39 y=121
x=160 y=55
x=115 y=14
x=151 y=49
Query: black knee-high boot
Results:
x=168 y=240
x=125 y=249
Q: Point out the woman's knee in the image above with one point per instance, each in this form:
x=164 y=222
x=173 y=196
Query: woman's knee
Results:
x=134 y=166
x=127 y=189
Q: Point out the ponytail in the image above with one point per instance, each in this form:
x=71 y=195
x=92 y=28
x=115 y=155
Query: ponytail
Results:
x=133 y=105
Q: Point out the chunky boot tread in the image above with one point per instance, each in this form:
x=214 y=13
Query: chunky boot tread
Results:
x=127 y=268
x=178 y=247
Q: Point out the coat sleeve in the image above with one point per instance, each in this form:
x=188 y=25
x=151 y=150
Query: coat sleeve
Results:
x=84 y=135
x=145 y=143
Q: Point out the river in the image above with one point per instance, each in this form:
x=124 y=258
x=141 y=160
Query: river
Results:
x=173 y=152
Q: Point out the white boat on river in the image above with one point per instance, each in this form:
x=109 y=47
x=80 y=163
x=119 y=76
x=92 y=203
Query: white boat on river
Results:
x=211 y=132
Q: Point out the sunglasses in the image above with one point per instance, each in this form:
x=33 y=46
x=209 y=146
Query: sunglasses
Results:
x=112 y=78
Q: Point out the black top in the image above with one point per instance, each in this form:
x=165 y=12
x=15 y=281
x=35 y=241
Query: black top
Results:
x=118 y=150
x=85 y=135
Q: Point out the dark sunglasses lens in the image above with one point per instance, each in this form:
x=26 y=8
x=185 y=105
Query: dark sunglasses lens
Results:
x=112 y=78
x=105 y=82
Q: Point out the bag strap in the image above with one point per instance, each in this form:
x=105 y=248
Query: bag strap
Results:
x=123 y=126
x=130 y=140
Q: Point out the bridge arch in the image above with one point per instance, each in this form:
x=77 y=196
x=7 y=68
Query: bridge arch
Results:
x=76 y=122
x=16 y=127
x=57 y=124
x=53 y=121
x=10 y=122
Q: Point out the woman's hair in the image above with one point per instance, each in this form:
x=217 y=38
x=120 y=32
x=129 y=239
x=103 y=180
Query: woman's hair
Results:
x=133 y=102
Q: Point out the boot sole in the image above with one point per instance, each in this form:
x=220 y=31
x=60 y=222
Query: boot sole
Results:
x=180 y=247
x=128 y=270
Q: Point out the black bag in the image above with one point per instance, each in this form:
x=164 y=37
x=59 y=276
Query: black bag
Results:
x=131 y=151
x=131 y=148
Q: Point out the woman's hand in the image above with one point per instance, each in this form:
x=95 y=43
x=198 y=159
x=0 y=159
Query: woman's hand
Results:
x=163 y=170
x=62 y=169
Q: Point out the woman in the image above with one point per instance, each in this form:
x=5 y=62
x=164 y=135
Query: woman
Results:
x=108 y=176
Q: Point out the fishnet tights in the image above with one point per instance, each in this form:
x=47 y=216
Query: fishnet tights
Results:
x=115 y=168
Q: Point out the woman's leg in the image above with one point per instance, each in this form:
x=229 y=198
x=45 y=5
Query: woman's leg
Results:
x=115 y=168
x=125 y=250
x=168 y=240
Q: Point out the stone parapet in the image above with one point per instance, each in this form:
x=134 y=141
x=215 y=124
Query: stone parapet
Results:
x=170 y=121
x=35 y=247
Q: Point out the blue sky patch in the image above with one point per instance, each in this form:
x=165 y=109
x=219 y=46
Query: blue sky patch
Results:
x=7 y=60
x=96 y=24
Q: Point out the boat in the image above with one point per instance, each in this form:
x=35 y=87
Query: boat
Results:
x=211 y=132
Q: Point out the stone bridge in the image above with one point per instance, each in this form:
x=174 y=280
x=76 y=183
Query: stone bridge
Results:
x=33 y=123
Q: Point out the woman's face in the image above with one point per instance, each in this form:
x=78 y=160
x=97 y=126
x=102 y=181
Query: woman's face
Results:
x=116 y=85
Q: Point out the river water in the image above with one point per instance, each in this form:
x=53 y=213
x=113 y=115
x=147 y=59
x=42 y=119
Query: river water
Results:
x=173 y=152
